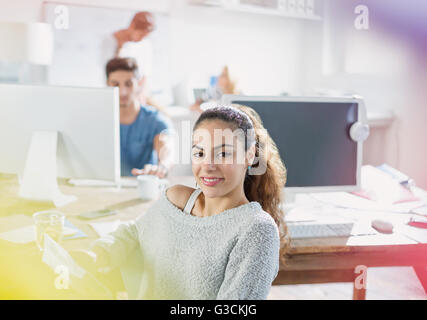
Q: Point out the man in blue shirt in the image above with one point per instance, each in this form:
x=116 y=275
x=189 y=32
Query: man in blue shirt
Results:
x=145 y=133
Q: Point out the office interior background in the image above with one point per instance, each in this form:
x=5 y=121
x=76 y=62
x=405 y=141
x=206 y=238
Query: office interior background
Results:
x=371 y=48
x=320 y=50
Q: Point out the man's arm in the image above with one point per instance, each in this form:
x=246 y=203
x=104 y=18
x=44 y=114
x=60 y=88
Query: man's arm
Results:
x=163 y=146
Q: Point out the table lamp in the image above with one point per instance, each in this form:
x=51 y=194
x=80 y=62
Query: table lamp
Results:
x=22 y=42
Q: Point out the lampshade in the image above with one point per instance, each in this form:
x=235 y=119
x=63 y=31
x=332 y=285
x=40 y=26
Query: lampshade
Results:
x=26 y=42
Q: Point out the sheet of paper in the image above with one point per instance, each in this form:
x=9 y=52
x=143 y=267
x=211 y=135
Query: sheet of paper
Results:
x=21 y=235
x=76 y=235
x=15 y=221
x=28 y=234
x=347 y=200
x=104 y=228
x=55 y=256
x=300 y=214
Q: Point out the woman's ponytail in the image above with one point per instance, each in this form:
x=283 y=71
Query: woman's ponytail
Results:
x=269 y=178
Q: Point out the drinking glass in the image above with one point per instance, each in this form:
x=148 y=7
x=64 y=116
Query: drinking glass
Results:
x=49 y=222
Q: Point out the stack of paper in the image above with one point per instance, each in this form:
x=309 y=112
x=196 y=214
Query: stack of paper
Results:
x=21 y=229
x=104 y=228
x=55 y=256
x=28 y=234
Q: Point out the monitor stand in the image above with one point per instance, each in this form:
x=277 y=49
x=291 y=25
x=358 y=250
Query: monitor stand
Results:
x=39 y=181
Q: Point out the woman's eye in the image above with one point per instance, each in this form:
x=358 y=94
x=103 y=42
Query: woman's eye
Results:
x=198 y=154
x=224 y=154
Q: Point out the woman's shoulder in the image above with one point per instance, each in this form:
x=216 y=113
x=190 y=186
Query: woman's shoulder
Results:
x=261 y=223
x=179 y=194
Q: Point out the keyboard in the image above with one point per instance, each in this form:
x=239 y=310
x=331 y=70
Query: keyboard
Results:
x=124 y=182
x=319 y=230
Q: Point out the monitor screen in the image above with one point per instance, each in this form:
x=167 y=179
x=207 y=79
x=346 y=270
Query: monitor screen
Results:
x=313 y=140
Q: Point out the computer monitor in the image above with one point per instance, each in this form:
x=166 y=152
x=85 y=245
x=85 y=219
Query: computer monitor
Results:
x=319 y=139
x=84 y=122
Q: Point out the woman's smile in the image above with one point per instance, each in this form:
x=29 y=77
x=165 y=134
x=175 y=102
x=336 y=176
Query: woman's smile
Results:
x=211 y=181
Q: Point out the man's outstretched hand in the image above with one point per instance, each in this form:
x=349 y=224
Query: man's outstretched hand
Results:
x=155 y=170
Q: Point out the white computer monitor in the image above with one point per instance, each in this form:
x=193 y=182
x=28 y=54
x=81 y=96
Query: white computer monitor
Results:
x=320 y=139
x=86 y=122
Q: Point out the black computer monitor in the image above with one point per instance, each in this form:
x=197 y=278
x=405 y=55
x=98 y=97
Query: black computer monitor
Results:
x=313 y=138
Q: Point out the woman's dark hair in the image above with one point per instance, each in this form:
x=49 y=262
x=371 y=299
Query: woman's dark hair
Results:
x=266 y=184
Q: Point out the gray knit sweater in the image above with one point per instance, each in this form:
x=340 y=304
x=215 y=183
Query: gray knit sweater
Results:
x=231 y=255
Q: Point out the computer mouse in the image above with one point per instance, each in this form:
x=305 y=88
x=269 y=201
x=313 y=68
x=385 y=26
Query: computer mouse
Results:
x=382 y=226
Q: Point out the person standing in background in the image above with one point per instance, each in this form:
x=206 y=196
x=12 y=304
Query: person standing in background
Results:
x=140 y=27
x=133 y=42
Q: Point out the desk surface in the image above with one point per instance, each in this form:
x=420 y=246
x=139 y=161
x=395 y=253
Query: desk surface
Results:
x=308 y=261
x=126 y=201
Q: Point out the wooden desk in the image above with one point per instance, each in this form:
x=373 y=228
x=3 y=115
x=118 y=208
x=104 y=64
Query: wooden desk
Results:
x=347 y=259
x=310 y=260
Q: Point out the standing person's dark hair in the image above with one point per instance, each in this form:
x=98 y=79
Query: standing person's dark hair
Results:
x=122 y=64
x=143 y=21
x=131 y=65
x=265 y=186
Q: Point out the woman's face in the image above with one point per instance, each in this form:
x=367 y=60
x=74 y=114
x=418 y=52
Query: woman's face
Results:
x=219 y=160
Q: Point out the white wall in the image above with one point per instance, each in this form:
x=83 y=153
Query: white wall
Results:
x=388 y=70
x=263 y=52
x=31 y=10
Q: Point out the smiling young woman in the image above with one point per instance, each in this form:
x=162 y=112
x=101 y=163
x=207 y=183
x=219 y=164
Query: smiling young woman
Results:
x=224 y=175
x=223 y=239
